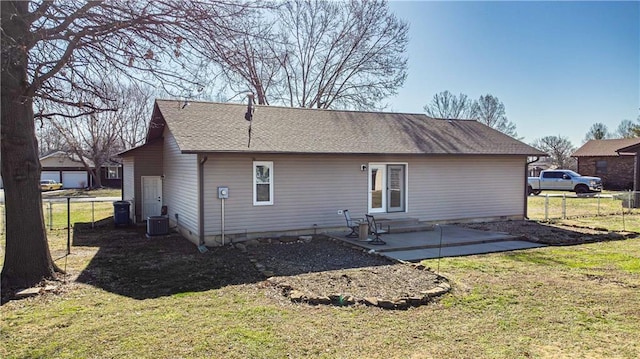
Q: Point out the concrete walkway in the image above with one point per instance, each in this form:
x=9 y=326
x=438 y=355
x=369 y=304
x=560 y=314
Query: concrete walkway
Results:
x=444 y=241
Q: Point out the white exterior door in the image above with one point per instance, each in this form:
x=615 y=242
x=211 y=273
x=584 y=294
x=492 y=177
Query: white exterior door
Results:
x=151 y=196
x=387 y=187
x=395 y=188
x=377 y=188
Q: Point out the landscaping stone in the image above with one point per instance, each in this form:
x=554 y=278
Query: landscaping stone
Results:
x=296 y=295
x=241 y=247
x=386 y=304
x=371 y=301
x=29 y=292
x=305 y=239
x=252 y=242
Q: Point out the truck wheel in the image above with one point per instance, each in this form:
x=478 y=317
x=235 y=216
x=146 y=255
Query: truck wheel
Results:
x=536 y=192
x=581 y=189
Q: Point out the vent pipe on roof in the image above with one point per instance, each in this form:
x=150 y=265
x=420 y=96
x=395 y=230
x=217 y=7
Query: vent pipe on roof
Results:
x=249 y=114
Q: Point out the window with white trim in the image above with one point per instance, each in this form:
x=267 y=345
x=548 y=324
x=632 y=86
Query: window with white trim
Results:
x=113 y=173
x=262 y=183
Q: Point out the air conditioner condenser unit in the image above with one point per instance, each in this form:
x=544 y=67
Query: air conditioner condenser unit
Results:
x=157 y=226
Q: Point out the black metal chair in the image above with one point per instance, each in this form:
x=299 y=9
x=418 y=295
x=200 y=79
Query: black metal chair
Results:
x=375 y=230
x=352 y=223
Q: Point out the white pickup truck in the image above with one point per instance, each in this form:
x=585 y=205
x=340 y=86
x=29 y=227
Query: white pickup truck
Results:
x=563 y=180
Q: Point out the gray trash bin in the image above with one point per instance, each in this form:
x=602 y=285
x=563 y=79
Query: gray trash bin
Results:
x=121 y=213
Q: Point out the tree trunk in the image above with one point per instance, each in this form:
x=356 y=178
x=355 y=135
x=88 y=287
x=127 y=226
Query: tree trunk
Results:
x=27 y=258
x=97 y=177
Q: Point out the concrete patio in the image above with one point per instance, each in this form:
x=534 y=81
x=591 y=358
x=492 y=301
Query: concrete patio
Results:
x=443 y=241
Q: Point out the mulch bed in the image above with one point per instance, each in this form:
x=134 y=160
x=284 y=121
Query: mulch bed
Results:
x=551 y=234
x=323 y=271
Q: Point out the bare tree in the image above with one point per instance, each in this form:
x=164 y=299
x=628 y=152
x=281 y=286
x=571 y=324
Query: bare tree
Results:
x=628 y=129
x=598 y=131
x=99 y=136
x=134 y=104
x=449 y=106
x=57 y=53
x=559 y=149
x=487 y=109
x=490 y=111
x=319 y=54
x=49 y=138
x=248 y=62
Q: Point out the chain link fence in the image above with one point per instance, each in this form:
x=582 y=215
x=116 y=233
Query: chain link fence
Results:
x=551 y=206
x=60 y=214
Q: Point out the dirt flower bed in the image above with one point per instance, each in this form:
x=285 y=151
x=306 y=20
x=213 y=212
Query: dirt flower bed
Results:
x=322 y=271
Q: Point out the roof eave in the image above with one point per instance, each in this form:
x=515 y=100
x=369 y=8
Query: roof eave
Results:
x=362 y=153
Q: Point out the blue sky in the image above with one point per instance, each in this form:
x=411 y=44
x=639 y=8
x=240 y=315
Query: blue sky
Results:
x=558 y=67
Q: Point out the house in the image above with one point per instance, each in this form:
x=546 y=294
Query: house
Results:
x=635 y=149
x=602 y=158
x=68 y=169
x=111 y=174
x=540 y=165
x=290 y=170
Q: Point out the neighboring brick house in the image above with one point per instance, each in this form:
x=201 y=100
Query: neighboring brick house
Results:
x=600 y=158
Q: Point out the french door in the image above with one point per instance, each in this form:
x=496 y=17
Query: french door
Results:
x=387 y=187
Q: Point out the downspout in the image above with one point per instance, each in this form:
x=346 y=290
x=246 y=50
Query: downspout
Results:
x=201 y=163
x=526 y=186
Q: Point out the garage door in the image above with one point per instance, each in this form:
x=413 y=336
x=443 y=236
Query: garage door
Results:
x=50 y=175
x=74 y=179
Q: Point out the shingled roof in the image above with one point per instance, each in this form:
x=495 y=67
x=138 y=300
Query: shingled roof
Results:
x=605 y=148
x=221 y=127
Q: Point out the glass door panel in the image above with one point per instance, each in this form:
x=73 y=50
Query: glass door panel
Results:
x=377 y=188
x=395 y=188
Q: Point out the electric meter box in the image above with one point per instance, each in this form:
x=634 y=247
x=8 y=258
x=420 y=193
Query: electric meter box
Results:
x=223 y=192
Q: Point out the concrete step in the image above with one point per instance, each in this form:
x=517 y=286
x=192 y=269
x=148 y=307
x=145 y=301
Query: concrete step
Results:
x=403 y=225
x=385 y=222
x=408 y=228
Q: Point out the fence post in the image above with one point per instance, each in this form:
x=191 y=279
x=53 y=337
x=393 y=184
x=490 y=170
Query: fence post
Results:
x=93 y=220
x=50 y=216
x=546 y=206
x=598 y=195
x=564 y=206
x=68 y=225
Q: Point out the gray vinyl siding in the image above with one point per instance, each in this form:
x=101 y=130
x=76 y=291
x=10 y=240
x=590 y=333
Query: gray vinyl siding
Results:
x=311 y=189
x=463 y=188
x=306 y=192
x=180 y=186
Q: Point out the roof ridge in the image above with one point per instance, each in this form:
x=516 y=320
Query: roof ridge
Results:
x=304 y=108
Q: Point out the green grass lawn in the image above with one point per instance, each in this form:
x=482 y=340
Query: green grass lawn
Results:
x=84 y=212
x=101 y=192
x=554 y=302
x=579 y=301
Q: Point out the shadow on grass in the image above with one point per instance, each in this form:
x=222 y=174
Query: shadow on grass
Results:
x=130 y=264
